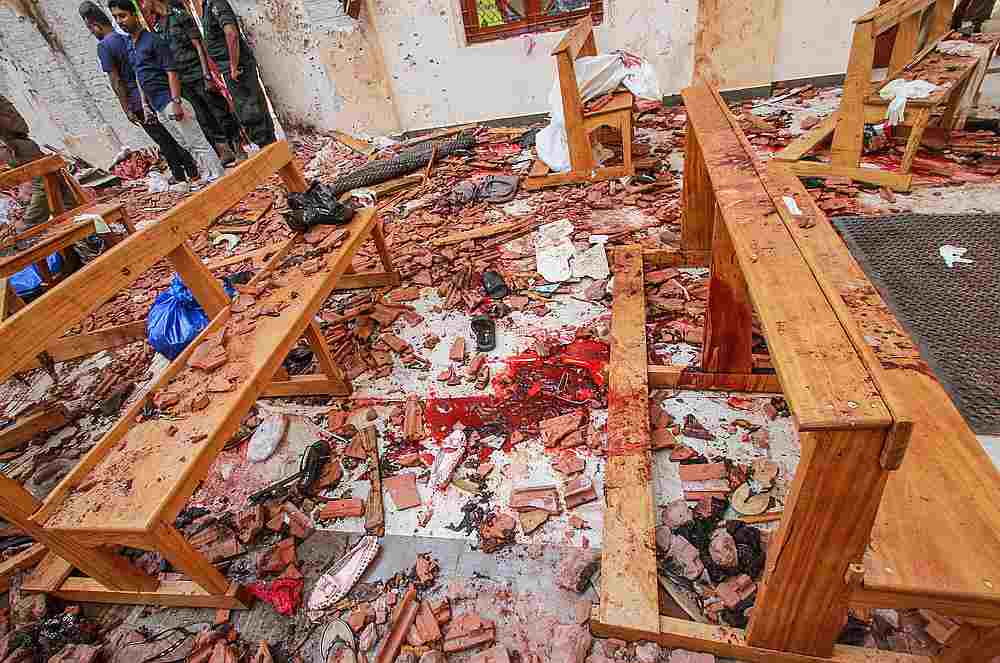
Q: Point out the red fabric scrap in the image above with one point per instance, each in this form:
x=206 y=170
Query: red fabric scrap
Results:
x=285 y=594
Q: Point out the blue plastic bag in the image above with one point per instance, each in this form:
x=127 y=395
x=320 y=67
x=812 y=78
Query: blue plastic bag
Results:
x=28 y=281
x=175 y=319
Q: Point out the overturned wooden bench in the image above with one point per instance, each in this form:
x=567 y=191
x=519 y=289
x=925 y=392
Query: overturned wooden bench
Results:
x=955 y=76
x=874 y=441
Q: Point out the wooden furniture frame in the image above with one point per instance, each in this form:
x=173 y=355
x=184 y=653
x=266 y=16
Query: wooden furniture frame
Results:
x=534 y=20
x=861 y=103
x=852 y=533
x=617 y=114
x=143 y=517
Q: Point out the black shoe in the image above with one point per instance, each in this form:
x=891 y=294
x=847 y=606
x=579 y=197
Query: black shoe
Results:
x=485 y=331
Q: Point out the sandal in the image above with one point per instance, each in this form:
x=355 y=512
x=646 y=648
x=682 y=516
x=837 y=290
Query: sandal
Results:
x=485 y=331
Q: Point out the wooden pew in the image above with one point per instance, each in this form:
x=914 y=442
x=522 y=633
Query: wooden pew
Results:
x=861 y=104
x=580 y=124
x=876 y=443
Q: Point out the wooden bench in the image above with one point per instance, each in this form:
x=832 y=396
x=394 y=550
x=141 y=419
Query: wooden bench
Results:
x=581 y=124
x=954 y=74
x=857 y=528
x=166 y=473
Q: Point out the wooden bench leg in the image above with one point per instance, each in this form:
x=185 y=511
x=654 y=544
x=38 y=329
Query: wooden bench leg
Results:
x=848 y=137
x=186 y=559
x=951 y=113
x=53 y=191
x=327 y=363
x=829 y=514
x=378 y=236
x=916 y=135
x=205 y=287
x=697 y=197
x=728 y=346
x=18 y=505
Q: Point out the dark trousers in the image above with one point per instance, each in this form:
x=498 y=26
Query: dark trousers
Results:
x=250 y=103
x=179 y=160
x=212 y=112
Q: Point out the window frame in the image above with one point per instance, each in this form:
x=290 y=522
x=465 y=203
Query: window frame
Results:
x=534 y=22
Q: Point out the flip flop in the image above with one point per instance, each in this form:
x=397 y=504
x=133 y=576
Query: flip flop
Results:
x=485 y=331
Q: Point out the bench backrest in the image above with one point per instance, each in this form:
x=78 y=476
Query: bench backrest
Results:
x=908 y=16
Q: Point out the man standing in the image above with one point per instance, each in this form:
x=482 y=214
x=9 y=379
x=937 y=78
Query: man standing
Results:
x=17 y=149
x=154 y=67
x=230 y=51
x=112 y=51
x=178 y=28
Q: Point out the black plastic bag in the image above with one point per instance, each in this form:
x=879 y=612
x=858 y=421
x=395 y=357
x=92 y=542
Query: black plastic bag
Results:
x=317 y=206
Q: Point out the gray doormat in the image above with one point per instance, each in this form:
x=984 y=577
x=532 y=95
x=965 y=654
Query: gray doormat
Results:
x=953 y=314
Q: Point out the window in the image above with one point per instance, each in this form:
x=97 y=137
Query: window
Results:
x=486 y=20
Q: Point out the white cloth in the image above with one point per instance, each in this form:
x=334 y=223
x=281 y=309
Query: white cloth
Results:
x=595 y=76
x=898 y=91
x=958 y=47
x=189 y=135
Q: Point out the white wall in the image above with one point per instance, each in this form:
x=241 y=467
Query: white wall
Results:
x=816 y=38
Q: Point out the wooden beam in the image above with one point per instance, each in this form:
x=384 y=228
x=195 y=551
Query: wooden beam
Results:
x=905 y=45
x=170 y=593
x=82 y=345
x=890 y=15
x=50 y=573
x=185 y=558
x=660 y=258
x=27 y=427
x=44 y=248
x=207 y=289
x=368 y=280
x=31 y=330
x=629 y=586
x=53 y=193
x=848 y=137
x=808 y=141
x=575 y=177
x=375 y=508
x=728 y=344
x=304 y=385
x=213 y=265
x=686 y=377
x=965 y=606
x=697 y=198
x=482 y=231
x=807 y=562
x=896 y=181
x=37 y=168
x=731 y=643
x=327 y=364
x=19 y=562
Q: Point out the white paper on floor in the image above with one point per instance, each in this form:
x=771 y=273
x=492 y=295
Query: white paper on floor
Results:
x=553 y=250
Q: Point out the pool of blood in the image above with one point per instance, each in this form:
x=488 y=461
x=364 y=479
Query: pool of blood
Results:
x=530 y=390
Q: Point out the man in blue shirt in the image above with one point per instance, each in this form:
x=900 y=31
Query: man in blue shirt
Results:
x=112 y=51
x=154 y=68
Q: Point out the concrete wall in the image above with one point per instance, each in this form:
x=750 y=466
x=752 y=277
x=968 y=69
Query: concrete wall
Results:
x=404 y=65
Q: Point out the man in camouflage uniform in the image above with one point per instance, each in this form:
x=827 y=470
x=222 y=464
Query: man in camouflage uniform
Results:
x=179 y=30
x=231 y=53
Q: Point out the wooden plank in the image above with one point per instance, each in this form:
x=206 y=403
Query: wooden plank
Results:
x=891 y=14
x=971 y=645
x=29 y=171
x=48 y=575
x=304 y=385
x=327 y=364
x=259 y=254
x=575 y=38
x=905 y=46
x=940 y=23
x=375 y=507
x=29 y=332
x=728 y=345
x=913 y=144
x=575 y=177
x=168 y=472
x=359 y=146
x=825 y=382
x=816 y=245
x=808 y=141
x=848 y=137
x=697 y=198
x=483 y=231
x=629 y=589
x=839 y=473
x=53 y=193
x=41 y=250
x=659 y=258
x=731 y=643
x=19 y=562
x=207 y=289
x=740 y=39
x=82 y=345
x=27 y=427
x=686 y=377
x=170 y=593
x=186 y=559
x=368 y=280
x=937 y=535
x=896 y=181
x=580 y=155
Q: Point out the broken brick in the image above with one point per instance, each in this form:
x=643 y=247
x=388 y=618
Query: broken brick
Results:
x=351 y=508
x=425 y=627
x=397 y=344
x=495 y=532
x=702 y=471
x=468 y=631
x=535 y=497
x=555 y=429
x=457 y=352
x=579 y=491
x=403 y=490
x=569 y=463
x=532 y=519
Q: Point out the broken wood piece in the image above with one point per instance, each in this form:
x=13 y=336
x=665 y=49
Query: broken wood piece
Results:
x=485 y=231
x=375 y=512
x=27 y=427
x=403 y=617
x=413 y=420
x=425 y=627
x=361 y=147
